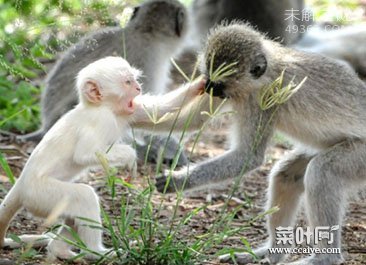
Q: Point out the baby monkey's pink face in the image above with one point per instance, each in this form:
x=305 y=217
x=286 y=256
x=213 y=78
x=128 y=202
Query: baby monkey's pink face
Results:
x=111 y=82
x=131 y=89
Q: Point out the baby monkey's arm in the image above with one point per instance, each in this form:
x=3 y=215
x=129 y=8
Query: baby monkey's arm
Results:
x=150 y=109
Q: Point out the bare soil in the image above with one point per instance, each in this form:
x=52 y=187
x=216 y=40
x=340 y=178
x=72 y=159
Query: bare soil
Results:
x=212 y=144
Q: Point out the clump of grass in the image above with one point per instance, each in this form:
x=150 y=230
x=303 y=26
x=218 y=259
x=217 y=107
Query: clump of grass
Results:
x=276 y=93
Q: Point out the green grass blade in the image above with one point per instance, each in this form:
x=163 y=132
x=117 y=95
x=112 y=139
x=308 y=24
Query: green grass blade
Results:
x=4 y=164
x=180 y=70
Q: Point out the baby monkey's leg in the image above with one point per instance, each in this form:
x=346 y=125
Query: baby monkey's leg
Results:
x=80 y=208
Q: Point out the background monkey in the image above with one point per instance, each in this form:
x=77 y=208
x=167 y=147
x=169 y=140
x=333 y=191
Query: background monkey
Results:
x=153 y=35
x=342 y=44
x=325 y=118
x=107 y=108
x=267 y=16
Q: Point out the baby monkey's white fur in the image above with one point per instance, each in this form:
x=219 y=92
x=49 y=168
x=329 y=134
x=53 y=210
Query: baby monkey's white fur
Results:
x=106 y=89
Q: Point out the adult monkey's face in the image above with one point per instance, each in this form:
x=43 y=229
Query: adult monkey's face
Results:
x=238 y=48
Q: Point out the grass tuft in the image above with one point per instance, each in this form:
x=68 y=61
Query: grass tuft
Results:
x=276 y=93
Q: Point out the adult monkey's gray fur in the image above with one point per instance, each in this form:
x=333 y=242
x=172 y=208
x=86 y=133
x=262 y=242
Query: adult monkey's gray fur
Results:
x=325 y=118
x=342 y=43
x=152 y=36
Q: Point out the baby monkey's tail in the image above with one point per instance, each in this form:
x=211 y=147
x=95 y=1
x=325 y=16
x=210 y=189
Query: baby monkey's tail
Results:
x=36 y=241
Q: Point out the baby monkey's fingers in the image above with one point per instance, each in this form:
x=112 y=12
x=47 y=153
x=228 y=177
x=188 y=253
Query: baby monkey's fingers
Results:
x=198 y=85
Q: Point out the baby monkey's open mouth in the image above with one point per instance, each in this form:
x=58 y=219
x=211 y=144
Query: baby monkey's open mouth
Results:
x=217 y=88
x=130 y=106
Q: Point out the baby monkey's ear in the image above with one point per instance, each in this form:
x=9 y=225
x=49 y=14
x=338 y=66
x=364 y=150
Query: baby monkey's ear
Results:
x=92 y=92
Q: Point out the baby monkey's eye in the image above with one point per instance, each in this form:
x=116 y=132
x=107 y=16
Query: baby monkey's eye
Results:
x=128 y=82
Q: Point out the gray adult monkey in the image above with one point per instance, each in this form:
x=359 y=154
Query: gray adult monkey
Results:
x=325 y=118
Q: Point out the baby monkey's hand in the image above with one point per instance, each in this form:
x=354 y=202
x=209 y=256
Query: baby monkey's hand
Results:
x=197 y=87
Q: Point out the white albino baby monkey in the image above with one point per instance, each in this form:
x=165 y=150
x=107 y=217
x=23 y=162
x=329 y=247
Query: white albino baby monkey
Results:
x=107 y=89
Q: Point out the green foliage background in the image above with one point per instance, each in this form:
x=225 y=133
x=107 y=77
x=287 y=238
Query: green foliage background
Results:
x=32 y=32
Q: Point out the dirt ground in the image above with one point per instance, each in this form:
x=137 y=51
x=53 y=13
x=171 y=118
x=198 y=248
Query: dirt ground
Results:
x=253 y=187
